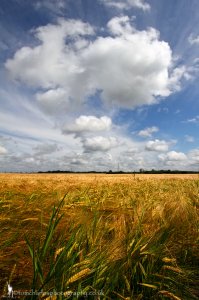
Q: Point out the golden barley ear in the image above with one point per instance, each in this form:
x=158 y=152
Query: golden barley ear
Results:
x=79 y=275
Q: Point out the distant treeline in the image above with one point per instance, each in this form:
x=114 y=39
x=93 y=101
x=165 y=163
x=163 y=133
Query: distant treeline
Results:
x=141 y=171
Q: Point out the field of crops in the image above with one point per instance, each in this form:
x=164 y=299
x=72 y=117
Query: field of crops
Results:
x=99 y=236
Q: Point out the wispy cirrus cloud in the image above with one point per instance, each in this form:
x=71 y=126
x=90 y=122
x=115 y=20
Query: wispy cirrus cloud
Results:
x=127 y=4
x=194 y=120
x=189 y=138
x=45 y=149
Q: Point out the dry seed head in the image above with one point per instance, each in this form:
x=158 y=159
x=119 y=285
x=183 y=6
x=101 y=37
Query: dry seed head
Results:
x=29 y=219
x=175 y=269
x=5 y=219
x=58 y=251
x=117 y=251
x=53 y=297
x=169 y=260
x=169 y=295
x=79 y=275
x=5 y=206
x=81 y=263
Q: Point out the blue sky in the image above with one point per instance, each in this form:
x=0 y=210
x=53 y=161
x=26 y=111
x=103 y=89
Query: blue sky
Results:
x=90 y=85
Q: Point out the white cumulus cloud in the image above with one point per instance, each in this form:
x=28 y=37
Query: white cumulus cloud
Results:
x=88 y=124
x=99 y=143
x=129 y=67
x=53 y=101
x=173 y=155
x=120 y=26
x=79 y=161
x=193 y=39
x=51 y=63
x=175 y=159
x=194 y=156
x=147 y=132
x=2 y=150
x=157 y=145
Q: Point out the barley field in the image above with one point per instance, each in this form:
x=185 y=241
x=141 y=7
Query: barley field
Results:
x=99 y=236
